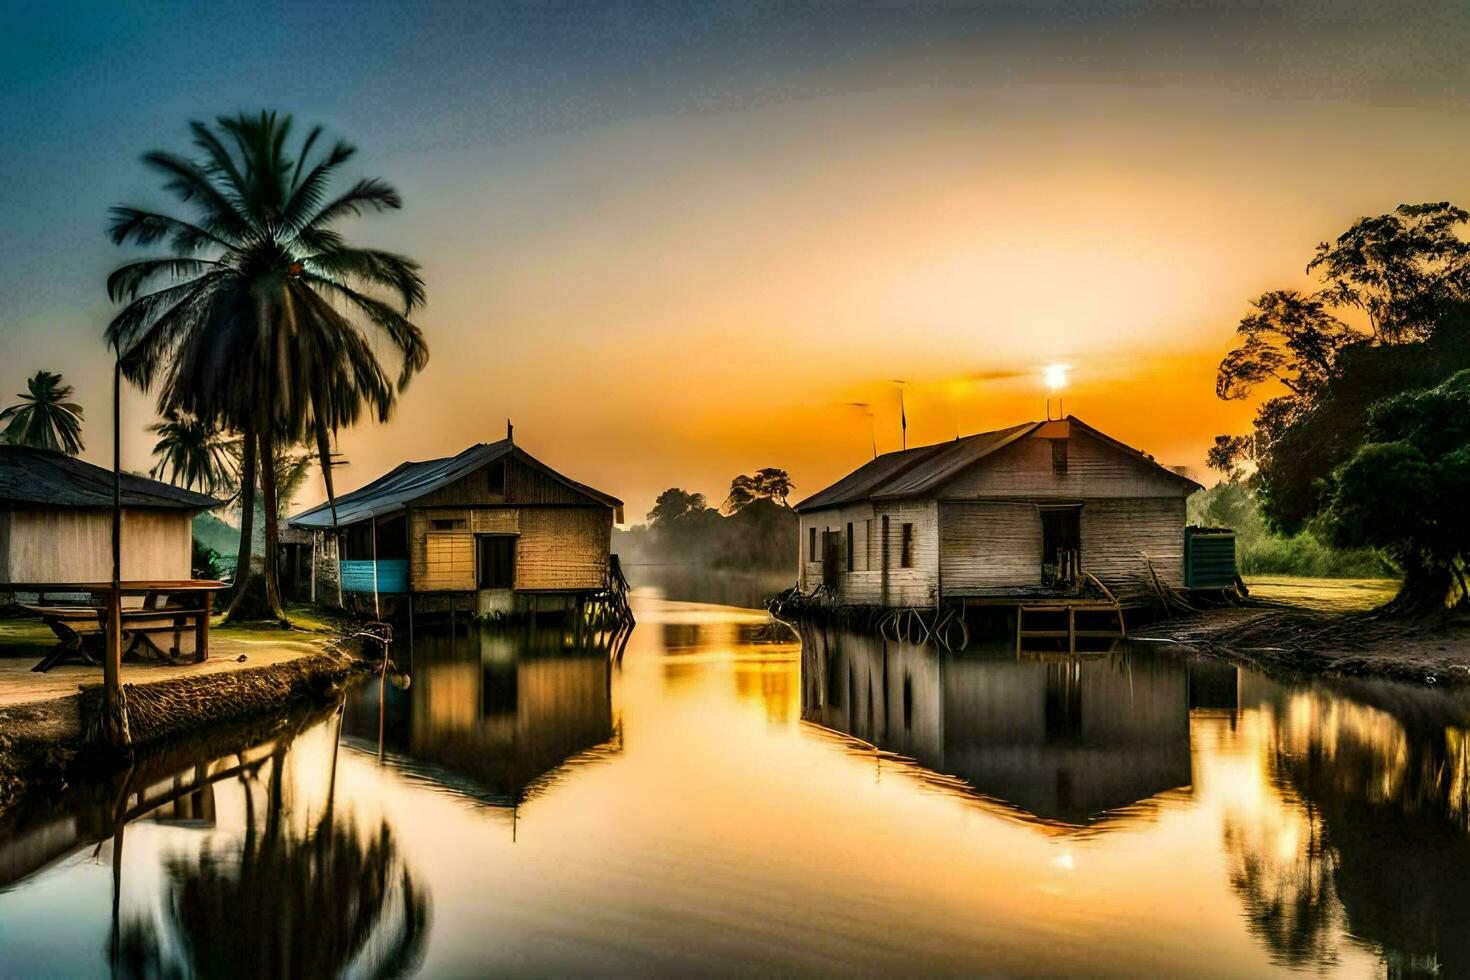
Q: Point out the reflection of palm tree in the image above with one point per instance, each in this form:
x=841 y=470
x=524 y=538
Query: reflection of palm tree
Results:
x=45 y=417
x=319 y=904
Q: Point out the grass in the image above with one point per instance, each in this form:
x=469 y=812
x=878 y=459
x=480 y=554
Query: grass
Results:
x=25 y=637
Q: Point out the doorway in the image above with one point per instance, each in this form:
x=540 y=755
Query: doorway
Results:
x=497 y=561
x=1061 y=544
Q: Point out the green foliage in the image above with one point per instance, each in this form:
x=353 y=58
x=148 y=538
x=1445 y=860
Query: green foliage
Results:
x=46 y=418
x=204 y=561
x=1406 y=489
x=1261 y=551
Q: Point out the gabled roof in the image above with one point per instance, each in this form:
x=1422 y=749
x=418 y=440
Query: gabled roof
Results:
x=923 y=470
x=407 y=482
x=48 y=478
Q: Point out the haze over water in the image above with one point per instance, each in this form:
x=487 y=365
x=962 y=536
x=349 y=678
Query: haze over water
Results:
x=727 y=800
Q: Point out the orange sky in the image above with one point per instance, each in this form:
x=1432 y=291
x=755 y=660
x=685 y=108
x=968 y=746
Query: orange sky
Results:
x=681 y=286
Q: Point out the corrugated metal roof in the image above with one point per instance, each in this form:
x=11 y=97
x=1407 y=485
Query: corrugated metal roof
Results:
x=407 y=482
x=45 y=477
x=923 y=470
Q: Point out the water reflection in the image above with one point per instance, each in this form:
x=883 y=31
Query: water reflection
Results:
x=1377 y=784
x=493 y=714
x=730 y=800
x=1076 y=741
x=268 y=876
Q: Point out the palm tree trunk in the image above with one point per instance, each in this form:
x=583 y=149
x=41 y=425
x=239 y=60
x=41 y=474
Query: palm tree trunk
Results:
x=272 y=521
x=249 y=464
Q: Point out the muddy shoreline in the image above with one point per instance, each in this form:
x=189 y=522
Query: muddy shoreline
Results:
x=44 y=745
x=1351 y=644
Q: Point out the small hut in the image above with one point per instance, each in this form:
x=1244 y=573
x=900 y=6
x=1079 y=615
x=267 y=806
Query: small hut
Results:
x=1007 y=515
x=56 y=522
x=492 y=529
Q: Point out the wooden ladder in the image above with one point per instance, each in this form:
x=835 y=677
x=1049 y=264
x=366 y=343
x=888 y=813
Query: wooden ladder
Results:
x=1071 y=634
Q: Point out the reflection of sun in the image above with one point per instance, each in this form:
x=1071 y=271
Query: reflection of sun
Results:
x=1064 y=861
x=1055 y=376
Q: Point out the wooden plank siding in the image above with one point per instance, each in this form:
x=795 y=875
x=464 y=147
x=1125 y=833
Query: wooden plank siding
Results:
x=557 y=547
x=990 y=544
x=74 y=544
x=523 y=485
x=1094 y=469
x=873 y=581
x=1116 y=534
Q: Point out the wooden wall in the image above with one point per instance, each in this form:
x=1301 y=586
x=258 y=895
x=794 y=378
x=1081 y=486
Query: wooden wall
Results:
x=1116 y=534
x=557 y=548
x=73 y=544
x=990 y=544
x=868 y=583
x=1094 y=469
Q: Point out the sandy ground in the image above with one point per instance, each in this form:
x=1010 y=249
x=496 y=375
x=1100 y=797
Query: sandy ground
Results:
x=24 y=641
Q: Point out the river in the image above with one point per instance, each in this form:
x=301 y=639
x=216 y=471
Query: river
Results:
x=729 y=800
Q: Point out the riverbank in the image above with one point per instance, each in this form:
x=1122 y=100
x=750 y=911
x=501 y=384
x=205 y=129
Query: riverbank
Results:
x=252 y=671
x=1326 y=626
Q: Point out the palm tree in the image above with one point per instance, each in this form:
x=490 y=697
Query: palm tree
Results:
x=263 y=318
x=193 y=455
x=45 y=417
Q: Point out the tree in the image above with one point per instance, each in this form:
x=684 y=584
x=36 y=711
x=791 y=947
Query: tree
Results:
x=263 y=319
x=1404 y=491
x=1406 y=276
x=46 y=418
x=768 y=483
x=193 y=455
x=674 y=504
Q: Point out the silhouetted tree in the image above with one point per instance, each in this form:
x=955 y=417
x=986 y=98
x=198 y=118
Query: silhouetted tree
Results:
x=768 y=483
x=193 y=454
x=1408 y=275
x=46 y=418
x=263 y=324
x=673 y=504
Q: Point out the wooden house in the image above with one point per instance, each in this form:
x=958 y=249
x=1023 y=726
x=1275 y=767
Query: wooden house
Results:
x=493 y=524
x=56 y=522
x=1004 y=514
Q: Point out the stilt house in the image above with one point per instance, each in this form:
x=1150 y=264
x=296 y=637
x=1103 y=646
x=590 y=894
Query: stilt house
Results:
x=1016 y=512
x=492 y=524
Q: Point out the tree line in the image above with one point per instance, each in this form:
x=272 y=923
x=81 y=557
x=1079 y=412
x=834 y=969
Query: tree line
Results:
x=753 y=529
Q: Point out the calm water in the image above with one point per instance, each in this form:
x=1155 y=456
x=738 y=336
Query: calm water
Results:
x=731 y=801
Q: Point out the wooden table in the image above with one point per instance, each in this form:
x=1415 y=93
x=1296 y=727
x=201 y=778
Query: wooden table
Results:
x=168 y=606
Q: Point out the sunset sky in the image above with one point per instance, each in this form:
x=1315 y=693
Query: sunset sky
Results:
x=673 y=242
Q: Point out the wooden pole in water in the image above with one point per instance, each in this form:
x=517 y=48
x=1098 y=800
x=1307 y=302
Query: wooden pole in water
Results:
x=115 y=732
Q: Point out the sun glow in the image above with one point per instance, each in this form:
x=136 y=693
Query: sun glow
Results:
x=1055 y=376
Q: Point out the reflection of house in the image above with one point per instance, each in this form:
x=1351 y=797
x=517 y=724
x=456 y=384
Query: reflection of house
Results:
x=493 y=522
x=1066 y=740
x=56 y=521
x=486 y=708
x=988 y=513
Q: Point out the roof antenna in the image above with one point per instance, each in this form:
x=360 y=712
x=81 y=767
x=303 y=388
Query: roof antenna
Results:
x=903 y=417
x=510 y=432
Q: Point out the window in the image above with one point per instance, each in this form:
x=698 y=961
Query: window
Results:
x=495 y=478
x=497 y=561
x=442 y=524
x=1059 y=457
x=811 y=545
x=868 y=544
x=906 y=547
x=849 y=546
x=884 y=549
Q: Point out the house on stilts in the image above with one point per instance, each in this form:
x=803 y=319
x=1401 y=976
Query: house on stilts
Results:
x=491 y=531
x=1042 y=514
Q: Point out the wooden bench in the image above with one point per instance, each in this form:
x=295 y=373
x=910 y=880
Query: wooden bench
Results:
x=167 y=608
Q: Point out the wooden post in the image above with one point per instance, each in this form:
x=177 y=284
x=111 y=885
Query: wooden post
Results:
x=1071 y=629
x=115 y=732
x=373 y=527
x=316 y=536
x=201 y=628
